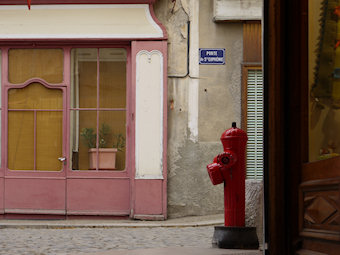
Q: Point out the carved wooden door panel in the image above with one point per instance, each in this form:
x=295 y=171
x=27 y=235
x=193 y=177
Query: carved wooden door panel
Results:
x=320 y=206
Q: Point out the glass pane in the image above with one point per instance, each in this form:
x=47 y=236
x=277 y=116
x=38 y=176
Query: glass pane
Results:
x=46 y=64
x=49 y=141
x=35 y=136
x=21 y=140
x=113 y=134
x=111 y=140
x=74 y=140
x=112 y=73
x=84 y=78
x=324 y=81
x=83 y=138
x=35 y=96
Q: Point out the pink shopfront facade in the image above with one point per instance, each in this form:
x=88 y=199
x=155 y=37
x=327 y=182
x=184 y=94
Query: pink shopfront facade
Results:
x=83 y=109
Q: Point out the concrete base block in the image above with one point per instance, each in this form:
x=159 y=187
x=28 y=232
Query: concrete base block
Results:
x=235 y=238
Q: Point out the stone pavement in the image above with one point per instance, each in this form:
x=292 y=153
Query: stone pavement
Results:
x=186 y=236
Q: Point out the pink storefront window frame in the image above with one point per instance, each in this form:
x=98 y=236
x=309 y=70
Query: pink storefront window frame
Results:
x=65 y=86
x=129 y=120
x=6 y=86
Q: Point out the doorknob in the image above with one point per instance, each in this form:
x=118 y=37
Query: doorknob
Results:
x=62 y=159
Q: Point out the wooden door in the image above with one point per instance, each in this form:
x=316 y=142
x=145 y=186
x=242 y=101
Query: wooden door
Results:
x=320 y=207
x=301 y=181
x=319 y=200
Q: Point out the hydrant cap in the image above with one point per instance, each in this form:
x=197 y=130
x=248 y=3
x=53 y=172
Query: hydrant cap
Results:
x=233 y=132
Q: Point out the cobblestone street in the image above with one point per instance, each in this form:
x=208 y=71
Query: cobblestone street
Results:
x=90 y=240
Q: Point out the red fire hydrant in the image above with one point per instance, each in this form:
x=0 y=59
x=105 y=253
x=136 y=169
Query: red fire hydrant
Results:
x=229 y=168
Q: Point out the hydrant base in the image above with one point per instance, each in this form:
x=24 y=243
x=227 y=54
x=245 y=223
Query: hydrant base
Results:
x=235 y=238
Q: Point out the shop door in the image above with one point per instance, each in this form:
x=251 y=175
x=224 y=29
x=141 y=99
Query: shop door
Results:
x=319 y=200
x=320 y=177
x=320 y=207
x=34 y=151
x=100 y=118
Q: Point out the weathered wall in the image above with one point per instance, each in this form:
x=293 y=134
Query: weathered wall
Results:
x=220 y=85
x=215 y=93
x=254 y=206
x=190 y=191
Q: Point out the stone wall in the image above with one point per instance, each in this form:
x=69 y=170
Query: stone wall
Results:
x=213 y=93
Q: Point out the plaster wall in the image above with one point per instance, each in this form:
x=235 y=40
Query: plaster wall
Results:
x=238 y=9
x=190 y=191
x=220 y=85
x=215 y=93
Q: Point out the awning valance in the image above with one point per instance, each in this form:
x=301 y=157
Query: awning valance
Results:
x=105 y=21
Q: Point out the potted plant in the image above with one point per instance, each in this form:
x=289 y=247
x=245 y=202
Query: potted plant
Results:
x=106 y=155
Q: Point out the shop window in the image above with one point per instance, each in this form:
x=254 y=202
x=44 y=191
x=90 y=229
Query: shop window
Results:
x=35 y=128
x=98 y=109
x=35 y=110
x=46 y=64
x=324 y=80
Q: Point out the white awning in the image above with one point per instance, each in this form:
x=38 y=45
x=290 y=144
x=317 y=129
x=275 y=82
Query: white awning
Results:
x=115 y=21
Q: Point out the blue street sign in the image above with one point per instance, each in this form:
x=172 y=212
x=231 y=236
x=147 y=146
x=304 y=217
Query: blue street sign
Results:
x=212 y=56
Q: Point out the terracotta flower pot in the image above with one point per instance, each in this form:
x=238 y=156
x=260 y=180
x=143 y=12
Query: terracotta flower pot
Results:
x=106 y=158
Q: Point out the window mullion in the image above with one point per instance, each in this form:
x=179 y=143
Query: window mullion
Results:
x=97 y=141
x=35 y=140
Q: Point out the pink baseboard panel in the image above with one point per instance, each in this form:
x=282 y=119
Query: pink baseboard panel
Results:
x=40 y=216
x=149 y=198
x=98 y=196
x=34 y=194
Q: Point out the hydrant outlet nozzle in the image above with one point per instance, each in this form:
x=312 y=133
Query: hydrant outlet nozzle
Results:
x=226 y=159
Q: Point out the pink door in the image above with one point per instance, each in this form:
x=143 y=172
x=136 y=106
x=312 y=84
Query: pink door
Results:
x=63 y=107
x=99 y=131
x=34 y=96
